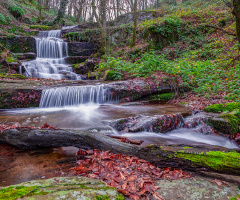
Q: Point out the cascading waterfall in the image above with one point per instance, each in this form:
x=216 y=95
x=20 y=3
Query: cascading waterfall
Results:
x=50 y=62
x=74 y=95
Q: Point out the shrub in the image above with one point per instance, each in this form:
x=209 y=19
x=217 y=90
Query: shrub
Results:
x=2 y=19
x=16 y=11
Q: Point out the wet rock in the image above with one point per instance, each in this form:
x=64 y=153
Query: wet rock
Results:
x=26 y=56
x=71 y=188
x=135 y=89
x=221 y=125
x=75 y=59
x=81 y=48
x=158 y=124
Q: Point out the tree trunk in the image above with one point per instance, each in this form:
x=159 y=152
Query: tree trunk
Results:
x=61 y=12
x=135 y=24
x=104 y=26
x=236 y=12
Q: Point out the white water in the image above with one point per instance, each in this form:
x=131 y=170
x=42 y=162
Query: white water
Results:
x=74 y=96
x=50 y=62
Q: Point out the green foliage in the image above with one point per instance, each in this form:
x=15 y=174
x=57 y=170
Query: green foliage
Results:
x=113 y=75
x=2 y=19
x=203 y=77
x=16 y=11
x=216 y=108
x=218 y=160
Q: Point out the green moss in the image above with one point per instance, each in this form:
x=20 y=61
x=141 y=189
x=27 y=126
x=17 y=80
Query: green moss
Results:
x=235 y=198
x=10 y=59
x=162 y=97
x=187 y=147
x=40 y=27
x=104 y=197
x=218 y=160
x=12 y=193
x=216 y=108
x=233 y=120
x=120 y=197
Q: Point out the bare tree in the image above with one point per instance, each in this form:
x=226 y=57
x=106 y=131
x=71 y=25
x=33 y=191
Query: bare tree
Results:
x=135 y=24
x=236 y=12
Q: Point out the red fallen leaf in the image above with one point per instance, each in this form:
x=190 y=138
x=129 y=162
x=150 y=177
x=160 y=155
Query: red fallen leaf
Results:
x=134 y=197
x=157 y=196
x=82 y=152
x=124 y=185
x=218 y=182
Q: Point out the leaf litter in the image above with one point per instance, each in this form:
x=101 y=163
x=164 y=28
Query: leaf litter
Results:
x=131 y=176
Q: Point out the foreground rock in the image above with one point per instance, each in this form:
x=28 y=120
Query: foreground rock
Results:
x=187 y=158
x=197 y=188
x=71 y=188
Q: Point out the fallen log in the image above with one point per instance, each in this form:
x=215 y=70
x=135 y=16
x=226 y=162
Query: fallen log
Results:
x=194 y=158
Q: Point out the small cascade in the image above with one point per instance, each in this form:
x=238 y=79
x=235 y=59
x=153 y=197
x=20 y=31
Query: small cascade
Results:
x=74 y=95
x=50 y=62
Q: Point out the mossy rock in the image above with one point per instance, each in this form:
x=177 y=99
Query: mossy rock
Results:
x=229 y=119
x=70 y=188
x=161 y=97
x=40 y=27
x=217 y=108
x=218 y=160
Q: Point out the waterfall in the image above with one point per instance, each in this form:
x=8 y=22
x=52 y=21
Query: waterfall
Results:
x=74 y=95
x=50 y=62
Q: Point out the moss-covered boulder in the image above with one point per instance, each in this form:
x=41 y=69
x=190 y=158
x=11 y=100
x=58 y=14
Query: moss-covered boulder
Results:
x=70 y=188
x=228 y=120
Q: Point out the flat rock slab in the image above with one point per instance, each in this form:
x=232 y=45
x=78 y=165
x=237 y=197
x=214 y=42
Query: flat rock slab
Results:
x=198 y=188
x=71 y=188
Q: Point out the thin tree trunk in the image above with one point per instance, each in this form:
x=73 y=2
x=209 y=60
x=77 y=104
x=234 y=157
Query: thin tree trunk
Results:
x=135 y=24
x=236 y=12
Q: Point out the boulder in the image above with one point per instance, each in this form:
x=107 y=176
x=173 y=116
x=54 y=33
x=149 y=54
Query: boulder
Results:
x=71 y=188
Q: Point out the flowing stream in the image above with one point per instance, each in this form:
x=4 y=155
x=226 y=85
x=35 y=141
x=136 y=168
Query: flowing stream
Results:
x=86 y=108
x=91 y=108
x=50 y=62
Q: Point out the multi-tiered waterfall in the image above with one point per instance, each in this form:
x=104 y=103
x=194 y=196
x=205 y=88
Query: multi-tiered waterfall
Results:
x=50 y=62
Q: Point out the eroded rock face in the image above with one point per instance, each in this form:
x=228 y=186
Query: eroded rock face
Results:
x=20 y=44
x=81 y=48
x=71 y=188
